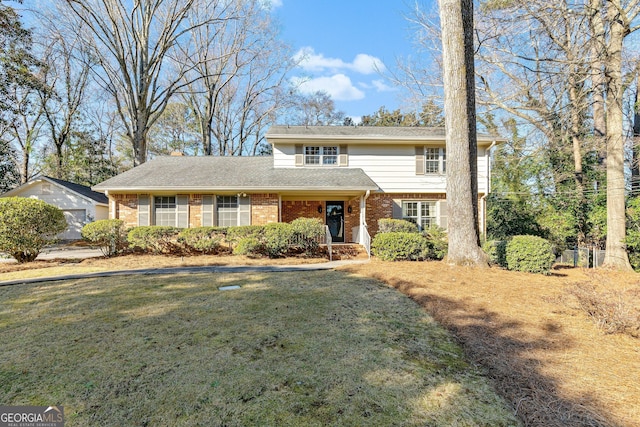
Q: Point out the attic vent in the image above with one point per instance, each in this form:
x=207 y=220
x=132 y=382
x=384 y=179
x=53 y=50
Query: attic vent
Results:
x=177 y=153
x=46 y=188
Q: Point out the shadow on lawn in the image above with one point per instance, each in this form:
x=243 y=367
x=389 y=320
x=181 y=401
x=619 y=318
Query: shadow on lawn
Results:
x=490 y=341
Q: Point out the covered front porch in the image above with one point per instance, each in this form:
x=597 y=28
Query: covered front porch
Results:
x=342 y=213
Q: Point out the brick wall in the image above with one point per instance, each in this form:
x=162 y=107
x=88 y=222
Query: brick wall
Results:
x=126 y=208
x=380 y=205
x=264 y=209
x=292 y=209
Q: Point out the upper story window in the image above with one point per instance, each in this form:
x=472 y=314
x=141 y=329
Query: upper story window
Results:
x=321 y=155
x=435 y=160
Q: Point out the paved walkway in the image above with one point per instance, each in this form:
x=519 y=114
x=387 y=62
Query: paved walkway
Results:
x=191 y=270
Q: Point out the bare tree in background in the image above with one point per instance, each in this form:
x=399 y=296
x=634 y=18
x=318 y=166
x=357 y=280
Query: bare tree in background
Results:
x=456 y=20
x=237 y=75
x=133 y=42
x=67 y=74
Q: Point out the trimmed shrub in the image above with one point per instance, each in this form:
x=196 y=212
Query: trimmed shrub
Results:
x=399 y=246
x=277 y=238
x=306 y=233
x=202 y=239
x=437 y=241
x=249 y=246
x=497 y=252
x=109 y=235
x=388 y=225
x=153 y=238
x=28 y=225
x=234 y=234
x=531 y=254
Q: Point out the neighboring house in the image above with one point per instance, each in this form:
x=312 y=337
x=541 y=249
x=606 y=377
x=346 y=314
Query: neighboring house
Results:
x=348 y=177
x=79 y=203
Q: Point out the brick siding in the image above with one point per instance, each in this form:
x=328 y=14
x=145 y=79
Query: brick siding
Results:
x=264 y=209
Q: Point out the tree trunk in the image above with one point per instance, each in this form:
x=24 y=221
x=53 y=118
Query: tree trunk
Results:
x=616 y=250
x=456 y=18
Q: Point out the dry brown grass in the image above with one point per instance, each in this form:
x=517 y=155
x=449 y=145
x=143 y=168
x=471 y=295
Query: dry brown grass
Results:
x=60 y=267
x=289 y=349
x=554 y=364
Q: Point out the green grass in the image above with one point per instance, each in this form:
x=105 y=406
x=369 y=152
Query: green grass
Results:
x=287 y=349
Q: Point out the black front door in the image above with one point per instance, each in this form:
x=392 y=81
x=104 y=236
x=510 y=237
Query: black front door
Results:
x=335 y=220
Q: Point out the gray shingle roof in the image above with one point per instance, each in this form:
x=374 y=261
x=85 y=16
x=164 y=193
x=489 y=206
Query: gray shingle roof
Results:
x=234 y=173
x=81 y=189
x=373 y=132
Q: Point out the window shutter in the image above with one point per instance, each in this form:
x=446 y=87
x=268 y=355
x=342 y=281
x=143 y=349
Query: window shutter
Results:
x=299 y=156
x=244 y=208
x=419 y=160
x=182 y=214
x=207 y=211
x=143 y=209
x=343 y=157
x=397 y=209
x=442 y=214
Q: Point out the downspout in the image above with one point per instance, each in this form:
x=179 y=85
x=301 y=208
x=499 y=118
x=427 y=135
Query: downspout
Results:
x=279 y=207
x=483 y=199
x=363 y=214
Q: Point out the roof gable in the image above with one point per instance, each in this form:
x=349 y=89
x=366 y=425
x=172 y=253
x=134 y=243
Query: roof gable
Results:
x=81 y=190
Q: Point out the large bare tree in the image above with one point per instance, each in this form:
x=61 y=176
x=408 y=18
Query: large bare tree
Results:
x=133 y=42
x=612 y=21
x=238 y=67
x=456 y=20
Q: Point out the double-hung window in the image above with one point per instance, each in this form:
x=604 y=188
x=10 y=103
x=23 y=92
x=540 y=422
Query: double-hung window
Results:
x=422 y=213
x=165 y=210
x=321 y=155
x=435 y=160
x=227 y=207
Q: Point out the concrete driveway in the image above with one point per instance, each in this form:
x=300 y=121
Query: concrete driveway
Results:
x=61 y=251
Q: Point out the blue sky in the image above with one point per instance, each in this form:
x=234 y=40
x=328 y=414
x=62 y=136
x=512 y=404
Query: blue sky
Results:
x=346 y=44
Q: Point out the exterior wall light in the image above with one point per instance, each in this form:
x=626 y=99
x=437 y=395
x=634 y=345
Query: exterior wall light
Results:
x=319 y=208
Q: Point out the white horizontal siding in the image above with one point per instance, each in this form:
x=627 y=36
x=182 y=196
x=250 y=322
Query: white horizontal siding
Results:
x=392 y=167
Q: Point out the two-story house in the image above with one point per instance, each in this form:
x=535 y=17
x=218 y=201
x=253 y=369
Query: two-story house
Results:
x=349 y=177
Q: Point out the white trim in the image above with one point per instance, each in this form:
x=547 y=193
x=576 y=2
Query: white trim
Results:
x=37 y=179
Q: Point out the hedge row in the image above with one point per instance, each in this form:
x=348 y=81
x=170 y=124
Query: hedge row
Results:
x=273 y=240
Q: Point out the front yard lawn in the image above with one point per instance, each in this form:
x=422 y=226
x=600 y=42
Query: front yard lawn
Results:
x=286 y=349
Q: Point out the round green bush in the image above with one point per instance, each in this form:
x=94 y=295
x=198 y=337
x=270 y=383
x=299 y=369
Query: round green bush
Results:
x=277 y=238
x=400 y=246
x=437 y=241
x=531 y=254
x=201 y=239
x=154 y=238
x=307 y=233
x=238 y=232
x=109 y=234
x=497 y=252
x=28 y=225
x=249 y=246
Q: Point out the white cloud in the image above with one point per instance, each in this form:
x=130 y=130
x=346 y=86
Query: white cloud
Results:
x=381 y=86
x=338 y=86
x=309 y=60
